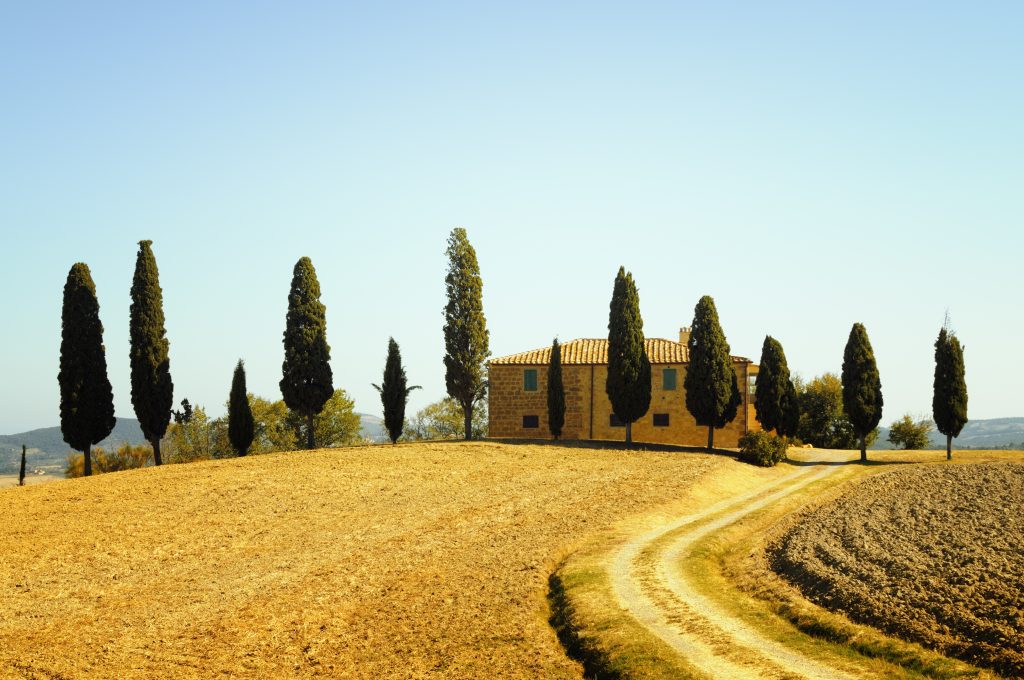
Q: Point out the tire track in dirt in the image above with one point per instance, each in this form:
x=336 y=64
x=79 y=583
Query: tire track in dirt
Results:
x=648 y=583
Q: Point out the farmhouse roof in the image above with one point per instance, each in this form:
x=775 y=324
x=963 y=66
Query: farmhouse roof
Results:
x=588 y=351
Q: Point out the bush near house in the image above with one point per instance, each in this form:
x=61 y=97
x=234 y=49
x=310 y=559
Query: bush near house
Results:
x=762 y=448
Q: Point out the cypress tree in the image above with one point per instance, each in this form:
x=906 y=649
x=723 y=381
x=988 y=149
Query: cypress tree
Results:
x=466 y=338
x=949 y=399
x=709 y=377
x=629 y=370
x=394 y=392
x=790 y=411
x=307 y=381
x=733 y=405
x=556 y=392
x=21 y=473
x=86 y=398
x=152 y=388
x=775 y=395
x=241 y=425
x=862 y=387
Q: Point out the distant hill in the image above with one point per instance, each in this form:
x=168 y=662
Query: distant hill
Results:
x=994 y=433
x=46 y=446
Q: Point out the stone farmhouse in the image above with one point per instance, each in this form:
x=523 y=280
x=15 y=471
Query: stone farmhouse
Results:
x=518 y=396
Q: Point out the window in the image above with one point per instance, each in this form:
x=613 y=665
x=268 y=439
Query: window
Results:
x=751 y=384
x=614 y=421
x=531 y=422
x=661 y=420
x=668 y=379
x=530 y=380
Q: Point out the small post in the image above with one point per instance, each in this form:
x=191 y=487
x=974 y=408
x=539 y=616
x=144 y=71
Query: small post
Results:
x=21 y=477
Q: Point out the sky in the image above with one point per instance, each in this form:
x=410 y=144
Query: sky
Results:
x=809 y=165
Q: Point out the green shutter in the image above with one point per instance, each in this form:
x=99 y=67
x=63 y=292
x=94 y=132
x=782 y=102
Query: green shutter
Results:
x=530 y=380
x=668 y=379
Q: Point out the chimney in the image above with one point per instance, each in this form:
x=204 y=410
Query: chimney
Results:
x=684 y=335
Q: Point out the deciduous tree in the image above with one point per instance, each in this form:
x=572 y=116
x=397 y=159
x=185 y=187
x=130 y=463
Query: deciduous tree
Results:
x=556 y=391
x=241 y=426
x=307 y=381
x=394 y=392
x=152 y=388
x=949 y=399
x=710 y=378
x=466 y=339
x=86 y=398
x=628 y=384
x=862 y=387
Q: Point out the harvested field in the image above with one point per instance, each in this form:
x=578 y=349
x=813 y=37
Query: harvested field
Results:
x=930 y=553
x=422 y=560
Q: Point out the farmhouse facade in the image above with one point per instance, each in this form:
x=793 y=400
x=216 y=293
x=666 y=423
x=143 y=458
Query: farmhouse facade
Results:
x=517 y=407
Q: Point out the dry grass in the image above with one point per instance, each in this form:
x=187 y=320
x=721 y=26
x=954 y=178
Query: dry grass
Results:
x=415 y=561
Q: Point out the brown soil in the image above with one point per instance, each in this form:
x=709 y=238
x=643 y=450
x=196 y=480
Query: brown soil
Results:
x=929 y=553
x=422 y=560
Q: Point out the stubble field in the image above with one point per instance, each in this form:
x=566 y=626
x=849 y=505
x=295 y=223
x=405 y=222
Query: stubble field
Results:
x=931 y=553
x=422 y=560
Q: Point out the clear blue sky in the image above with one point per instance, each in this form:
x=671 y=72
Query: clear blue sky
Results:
x=808 y=165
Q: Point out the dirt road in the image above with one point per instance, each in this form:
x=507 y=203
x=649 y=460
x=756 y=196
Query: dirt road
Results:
x=650 y=581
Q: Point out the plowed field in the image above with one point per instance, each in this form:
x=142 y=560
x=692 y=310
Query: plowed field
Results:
x=422 y=560
x=934 y=554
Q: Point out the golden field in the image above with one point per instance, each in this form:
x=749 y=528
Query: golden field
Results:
x=421 y=560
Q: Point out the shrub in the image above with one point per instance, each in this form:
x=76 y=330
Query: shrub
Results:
x=910 y=434
x=125 y=457
x=762 y=448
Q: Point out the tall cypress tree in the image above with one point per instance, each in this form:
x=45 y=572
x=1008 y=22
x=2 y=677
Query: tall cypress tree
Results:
x=152 y=388
x=86 y=398
x=862 y=387
x=307 y=381
x=790 y=411
x=556 y=392
x=629 y=370
x=774 y=390
x=394 y=392
x=949 y=399
x=241 y=425
x=466 y=339
x=709 y=375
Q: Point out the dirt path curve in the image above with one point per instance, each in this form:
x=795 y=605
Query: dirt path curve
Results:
x=648 y=582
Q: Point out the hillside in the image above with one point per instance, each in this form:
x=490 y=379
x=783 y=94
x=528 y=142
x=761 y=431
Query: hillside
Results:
x=994 y=433
x=420 y=560
x=46 y=446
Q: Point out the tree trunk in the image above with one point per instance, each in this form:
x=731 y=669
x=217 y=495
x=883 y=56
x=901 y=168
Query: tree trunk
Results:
x=309 y=430
x=864 y=449
x=156 y=451
x=949 y=447
x=87 y=455
x=629 y=434
x=711 y=438
x=467 y=412
x=21 y=477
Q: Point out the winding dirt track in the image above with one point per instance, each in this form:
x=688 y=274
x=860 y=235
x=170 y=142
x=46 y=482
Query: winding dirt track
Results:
x=649 y=583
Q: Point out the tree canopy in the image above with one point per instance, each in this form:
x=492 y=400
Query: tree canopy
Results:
x=710 y=381
x=774 y=394
x=241 y=426
x=152 y=388
x=307 y=381
x=466 y=339
x=862 y=387
x=394 y=392
x=949 y=398
x=86 y=397
x=628 y=384
x=556 y=391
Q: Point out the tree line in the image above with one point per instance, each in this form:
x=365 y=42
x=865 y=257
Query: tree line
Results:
x=307 y=388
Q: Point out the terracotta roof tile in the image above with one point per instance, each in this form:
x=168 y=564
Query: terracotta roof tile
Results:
x=595 y=351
